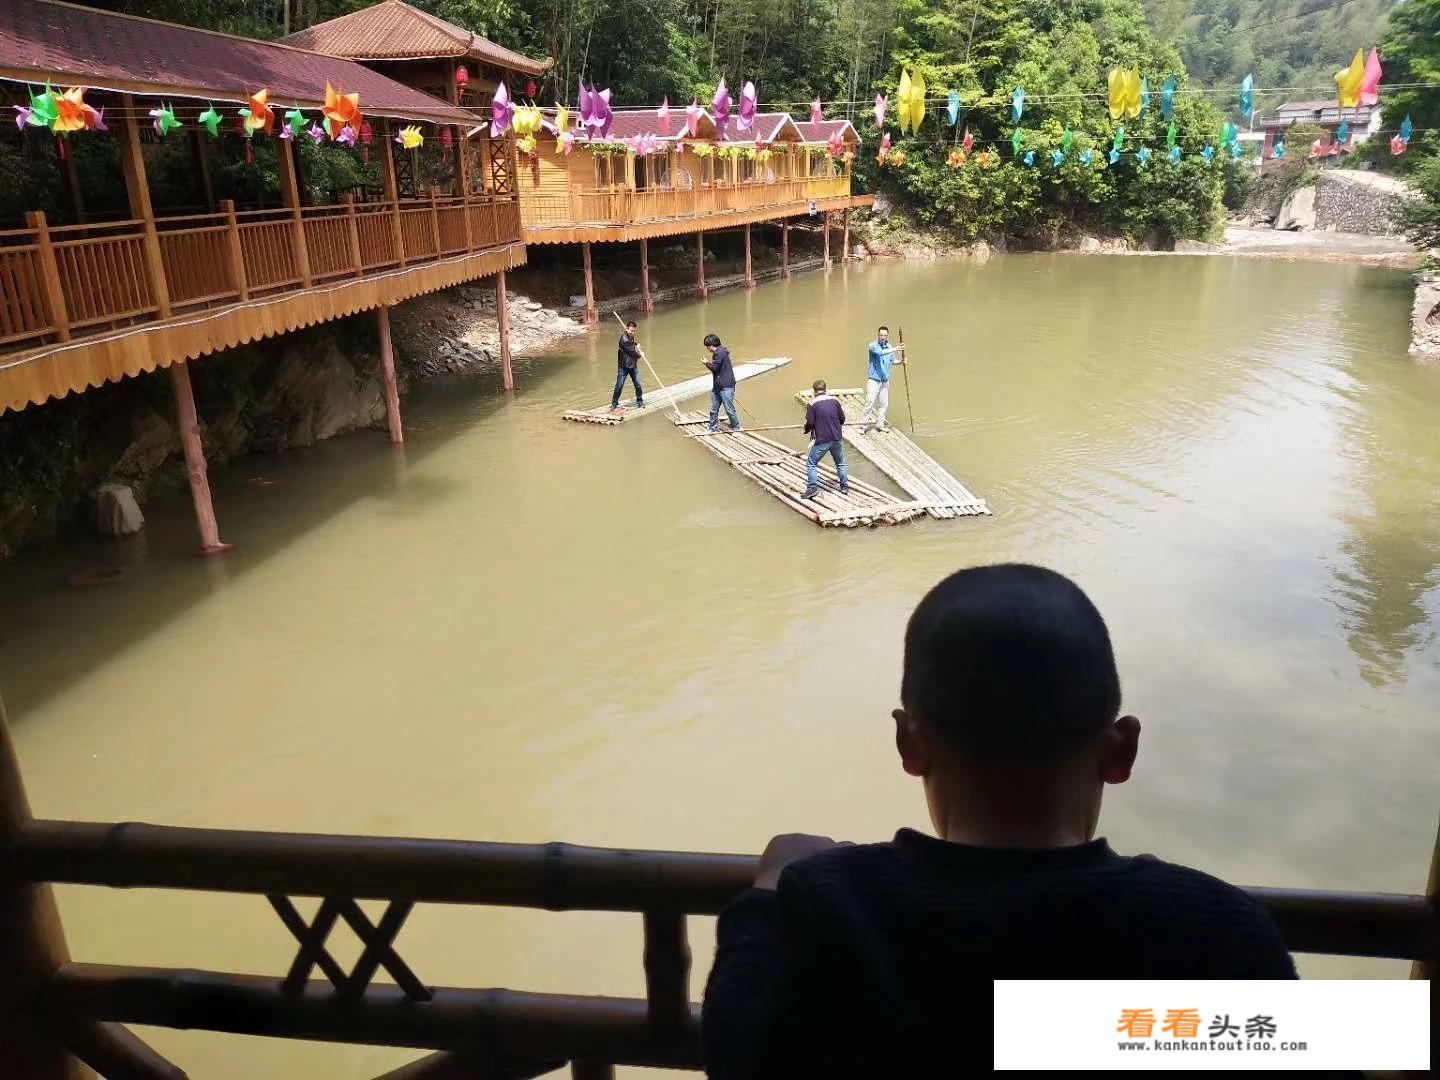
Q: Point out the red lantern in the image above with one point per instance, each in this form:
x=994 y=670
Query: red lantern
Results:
x=447 y=140
x=530 y=89
x=367 y=135
x=461 y=76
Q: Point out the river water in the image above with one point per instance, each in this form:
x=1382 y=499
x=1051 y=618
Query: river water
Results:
x=520 y=629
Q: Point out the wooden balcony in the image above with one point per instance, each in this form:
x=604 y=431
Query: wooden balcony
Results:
x=624 y=214
x=85 y=304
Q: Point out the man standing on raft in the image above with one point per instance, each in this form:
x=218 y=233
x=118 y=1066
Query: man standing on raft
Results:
x=627 y=363
x=722 y=389
x=877 y=383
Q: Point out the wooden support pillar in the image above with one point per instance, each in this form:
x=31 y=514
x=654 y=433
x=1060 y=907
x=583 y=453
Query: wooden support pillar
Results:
x=137 y=187
x=785 y=248
x=392 y=190
x=845 y=251
x=592 y=315
x=700 y=290
x=189 y=423
x=72 y=181
x=826 y=229
x=749 y=274
x=202 y=167
x=290 y=191
x=502 y=314
x=387 y=375
x=32 y=941
x=646 y=304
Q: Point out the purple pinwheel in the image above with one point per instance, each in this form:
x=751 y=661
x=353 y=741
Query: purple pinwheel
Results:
x=664 y=115
x=501 y=112
x=747 y=107
x=286 y=134
x=316 y=133
x=816 y=115
x=600 y=115
x=880 y=104
x=346 y=136
x=720 y=106
x=22 y=115
x=692 y=117
x=99 y=121
x=585 y=108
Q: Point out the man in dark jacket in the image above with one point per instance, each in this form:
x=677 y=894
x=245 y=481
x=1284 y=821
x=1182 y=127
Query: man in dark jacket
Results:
x=722 y=389
x=824 y=421
x=868 y=961
x=627 y=360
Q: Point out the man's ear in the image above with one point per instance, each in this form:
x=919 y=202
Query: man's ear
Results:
x=1118 y=748
x=912 y=742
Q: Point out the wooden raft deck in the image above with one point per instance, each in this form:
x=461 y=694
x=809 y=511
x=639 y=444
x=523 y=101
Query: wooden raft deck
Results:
x=658 y=400
x=780 y=471
x=918 y=474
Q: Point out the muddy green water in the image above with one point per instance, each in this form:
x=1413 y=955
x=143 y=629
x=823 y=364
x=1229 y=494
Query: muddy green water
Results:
x=525 y=630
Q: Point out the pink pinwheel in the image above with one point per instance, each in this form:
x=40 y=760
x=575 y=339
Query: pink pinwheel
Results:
x=815 y=114
x=968 y=142
x=836 y=145
x=584 y=108
x=664 y=114
x=346 y=136
x=747 y=107
x=884 y=145
x=502 y=111
x=286 y=133
x=880 y=104
x=692 y=117
x=1370 y=88
x=567 y=142
x=1397 y=146
x=720 y=106
x=600 y=115
x=95 y=119
x=316 y=133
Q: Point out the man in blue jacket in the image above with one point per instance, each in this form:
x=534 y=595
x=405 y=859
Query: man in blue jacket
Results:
x=825 y=420
x=722 y=389
x=877 y=383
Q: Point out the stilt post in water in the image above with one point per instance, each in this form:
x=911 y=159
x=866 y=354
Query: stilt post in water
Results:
x=32 y=941
x=845 y=251
x=785 y=248
x=189 y=422
x=825 y=228
x=592 y=316
x=749 y=274
x=387 y=374
x=646 y=304
x=502 y=314
x=700 y=290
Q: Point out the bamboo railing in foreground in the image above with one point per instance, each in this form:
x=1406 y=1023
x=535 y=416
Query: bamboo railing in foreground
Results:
x=482 y=1033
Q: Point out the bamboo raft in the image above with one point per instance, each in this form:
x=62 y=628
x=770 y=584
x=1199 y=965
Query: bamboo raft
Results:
x=919 y=475
x=658 y=399
x=780 y=471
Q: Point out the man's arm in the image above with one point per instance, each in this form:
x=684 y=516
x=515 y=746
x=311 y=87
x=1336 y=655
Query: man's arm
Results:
x=629 y=346
x=809 y=418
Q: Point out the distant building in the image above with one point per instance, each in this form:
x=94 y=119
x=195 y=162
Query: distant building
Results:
x=1364 y=120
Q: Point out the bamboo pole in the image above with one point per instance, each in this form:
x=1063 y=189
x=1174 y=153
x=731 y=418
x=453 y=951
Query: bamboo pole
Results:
x=905 y=371
x=32 y=942
x=387 y=374
x=745 y=431
x=592 y=316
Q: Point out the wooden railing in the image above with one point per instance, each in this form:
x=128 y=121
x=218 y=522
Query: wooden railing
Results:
x=60 y=283
x=590 y=1032
x=623 y=206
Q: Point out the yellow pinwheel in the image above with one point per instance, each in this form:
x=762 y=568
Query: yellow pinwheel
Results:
x=917 y=102
x=410 y=138
x=1124 y=93
x=1133 y=93
x=1349 y=81
x=527 y=120
x=562 y=119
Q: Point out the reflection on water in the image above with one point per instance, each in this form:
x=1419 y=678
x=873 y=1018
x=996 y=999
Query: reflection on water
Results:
x=519 y=629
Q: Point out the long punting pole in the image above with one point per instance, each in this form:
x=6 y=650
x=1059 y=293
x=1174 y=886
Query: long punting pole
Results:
x=905 y=370
x=651 y=368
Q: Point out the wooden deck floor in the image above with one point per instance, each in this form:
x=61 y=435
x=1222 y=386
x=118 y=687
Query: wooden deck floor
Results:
x=892 y=452
x=657 y=400
x=780 y=471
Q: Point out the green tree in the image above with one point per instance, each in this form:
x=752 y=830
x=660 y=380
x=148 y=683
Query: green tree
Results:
x=1411 y=50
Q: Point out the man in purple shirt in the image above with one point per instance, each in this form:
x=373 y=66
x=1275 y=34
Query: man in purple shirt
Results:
x=825 y=420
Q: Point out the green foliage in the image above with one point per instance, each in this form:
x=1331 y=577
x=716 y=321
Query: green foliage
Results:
x=1411 y=50
x=1421 y=217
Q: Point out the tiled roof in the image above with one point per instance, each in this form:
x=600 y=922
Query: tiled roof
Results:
x=41 y=40
x=766 y=128
x=392 y=30
x=821 y=132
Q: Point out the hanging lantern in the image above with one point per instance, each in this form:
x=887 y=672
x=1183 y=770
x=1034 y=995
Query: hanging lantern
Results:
x=367 y=136
x=530 y=89
x=462 y=77
x=447 y=140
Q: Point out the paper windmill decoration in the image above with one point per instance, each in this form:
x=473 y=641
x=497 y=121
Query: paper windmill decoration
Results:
x=1124 y=96
x=1342 y=133
x=968 y=142
x=1114 y=157
x=910 y=102
x=71 y=112
x=884 y=148
x=663 y=115
x=1030 y=158
x=692 y=117
x=44 y=109
x=1066 y=140
x=1017 y=105
x=1143 y=155
x=1208 y=154
x=1144 y=95
x=955 y=158
x=1277 y=151
x=211 y=119
x=294 y=124
x=1397 y=146
x=347 y=135
x=952 y=107
x=595 y=114
x=566 y=139
x=1370 y=86
x=836 y=146
x=747 y=107
x=1167 y=98
x=720 y=108
x=342 y=110
x=22 y=115
x=1174 y=153
x=502 y=112
x=1227 y=133
x=1350 y=80
x=881 y=103
x=1119 y=138
x=162 y=119
x=1016 y=141
x=816 y=113
x=562 y=119
x=257 y=115
x=1170 y=133
x=527 y=120
x=1247 y=96
x=1057 y=158
x=1235 y=151
x=1406 y=128
x=410 y=138
x=316 y=133
x=1087 y=156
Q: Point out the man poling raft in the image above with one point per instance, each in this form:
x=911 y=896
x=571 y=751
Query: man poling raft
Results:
x=877 y=382
x=627 y=364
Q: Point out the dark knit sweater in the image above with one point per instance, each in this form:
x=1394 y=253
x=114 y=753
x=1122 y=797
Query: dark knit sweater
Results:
x=877 y=960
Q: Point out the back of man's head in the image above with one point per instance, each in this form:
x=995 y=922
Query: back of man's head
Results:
x=1010 y=664
x=712 y=340
x=818 y=386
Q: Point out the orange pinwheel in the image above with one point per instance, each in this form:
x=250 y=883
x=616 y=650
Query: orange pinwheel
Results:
x=70 y=110
x=341 y=110
x=258 y=117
